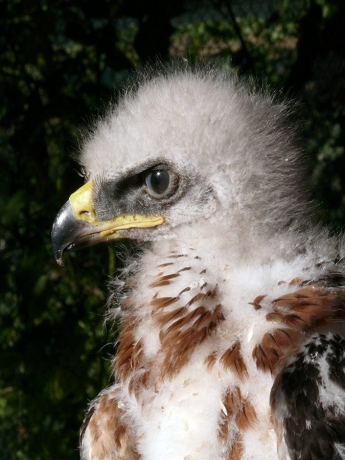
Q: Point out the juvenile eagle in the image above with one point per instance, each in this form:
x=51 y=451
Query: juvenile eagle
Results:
x=231 y=343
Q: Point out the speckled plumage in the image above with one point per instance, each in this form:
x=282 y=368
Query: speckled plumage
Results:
x=231 y=293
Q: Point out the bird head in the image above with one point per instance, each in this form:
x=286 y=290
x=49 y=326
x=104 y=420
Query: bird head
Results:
x=185 y=150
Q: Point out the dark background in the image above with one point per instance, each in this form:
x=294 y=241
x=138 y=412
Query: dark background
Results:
x=61 y=61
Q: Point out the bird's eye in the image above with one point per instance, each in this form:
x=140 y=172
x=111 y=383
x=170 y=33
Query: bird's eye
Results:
x=158 y=183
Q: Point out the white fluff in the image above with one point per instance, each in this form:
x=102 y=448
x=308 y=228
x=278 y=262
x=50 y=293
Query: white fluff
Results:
x=244 y=212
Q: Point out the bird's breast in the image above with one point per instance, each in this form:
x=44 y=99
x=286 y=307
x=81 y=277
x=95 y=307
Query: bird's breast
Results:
x=186 y=366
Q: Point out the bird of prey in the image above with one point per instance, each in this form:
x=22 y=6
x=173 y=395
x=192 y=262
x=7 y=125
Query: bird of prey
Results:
x=232 y=338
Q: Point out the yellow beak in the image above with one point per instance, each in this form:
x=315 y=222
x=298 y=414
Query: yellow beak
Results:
x=76 y=224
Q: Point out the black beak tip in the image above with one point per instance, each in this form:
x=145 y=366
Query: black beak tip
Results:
x=58 y=249
x=63 y=231
x=70 y=233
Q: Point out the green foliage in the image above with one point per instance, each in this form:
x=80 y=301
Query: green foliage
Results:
x=60 y=63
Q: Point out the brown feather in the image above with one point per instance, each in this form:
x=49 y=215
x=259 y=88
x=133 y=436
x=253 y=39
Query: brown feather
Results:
x=242 y=411
x=110 y=436
x=246 y=418
x=163 y=302
x=232 y=360
x=256 y=302
x=310 y=307
x=164 y=280
x=237 y=449
x=274 y=346
x=183 y=335
x=210 y=361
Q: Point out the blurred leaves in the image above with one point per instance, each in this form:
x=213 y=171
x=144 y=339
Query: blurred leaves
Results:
x=60 y=63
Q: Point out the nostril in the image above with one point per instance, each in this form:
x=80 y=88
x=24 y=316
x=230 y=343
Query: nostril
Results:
x=88 y=216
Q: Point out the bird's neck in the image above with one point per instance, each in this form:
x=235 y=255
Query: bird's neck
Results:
x=177 y=308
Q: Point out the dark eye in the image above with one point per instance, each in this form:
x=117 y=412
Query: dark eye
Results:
x=158 y=183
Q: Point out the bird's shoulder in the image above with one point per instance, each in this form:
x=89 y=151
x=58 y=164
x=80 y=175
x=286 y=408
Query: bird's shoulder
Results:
x=104 y=431
x=308 y=401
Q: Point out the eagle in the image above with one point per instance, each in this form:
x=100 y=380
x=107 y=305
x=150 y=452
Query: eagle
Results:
x=231 y=342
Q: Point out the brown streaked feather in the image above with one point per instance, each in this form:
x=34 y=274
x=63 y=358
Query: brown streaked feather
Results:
x=310 y=307
x=202 y=297
x=210 y=361
x=237 y=449
x=260 y=358
x=203 y=320
x=109 y=434
x=274 y=346
x=163 y=302
x=246 y=418
x=165 y=318
x=130 y=350
x=240 y=410
x=184 y=269
x=232 y=403
x=188 y=288
x=233 y=400
x=164 y=280
x=226 y=417
x=181 y=322
x=232 y=360
x=167 y=264
x=183 y=335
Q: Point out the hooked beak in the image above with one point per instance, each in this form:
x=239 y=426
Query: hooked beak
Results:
x=76 y=225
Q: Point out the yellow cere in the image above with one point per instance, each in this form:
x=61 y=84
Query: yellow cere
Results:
x=83 y=208
x=82 y=204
